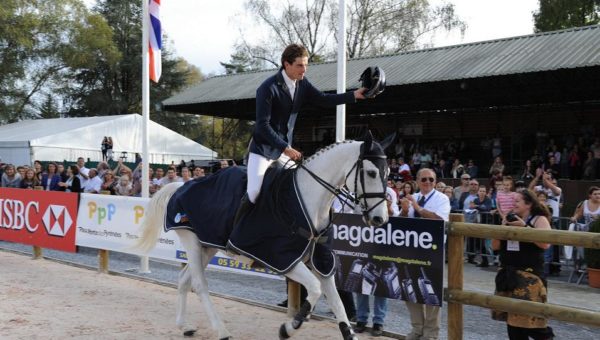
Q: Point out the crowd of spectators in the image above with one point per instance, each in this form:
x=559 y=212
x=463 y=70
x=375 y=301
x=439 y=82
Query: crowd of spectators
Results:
x=120 y=180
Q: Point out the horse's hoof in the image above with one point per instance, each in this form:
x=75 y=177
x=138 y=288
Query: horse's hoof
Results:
x=283 y=334
x=189 y=333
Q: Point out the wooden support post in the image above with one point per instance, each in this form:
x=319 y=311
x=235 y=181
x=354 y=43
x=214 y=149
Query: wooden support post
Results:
x=455 y=279
x=293 y=298
x=103 y=261
x=37 y=253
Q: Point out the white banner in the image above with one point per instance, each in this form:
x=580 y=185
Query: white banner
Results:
x=113 y=223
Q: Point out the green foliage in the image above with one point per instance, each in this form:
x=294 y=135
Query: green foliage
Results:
x=561 y=14
x=42 y=44
x=592 y=256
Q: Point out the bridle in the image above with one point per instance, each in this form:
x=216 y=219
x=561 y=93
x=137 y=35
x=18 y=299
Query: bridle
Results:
x=343 y=193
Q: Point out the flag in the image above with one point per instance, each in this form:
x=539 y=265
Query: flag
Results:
x=155 y=43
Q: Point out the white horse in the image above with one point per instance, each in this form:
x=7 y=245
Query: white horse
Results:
x=360 y=166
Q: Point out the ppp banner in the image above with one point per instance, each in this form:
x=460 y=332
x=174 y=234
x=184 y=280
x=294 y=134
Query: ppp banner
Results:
x=403 y=259
x=39 y=218
x=113 y=223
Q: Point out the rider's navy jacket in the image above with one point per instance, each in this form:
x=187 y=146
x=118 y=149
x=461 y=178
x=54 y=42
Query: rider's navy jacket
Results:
x=276 y=113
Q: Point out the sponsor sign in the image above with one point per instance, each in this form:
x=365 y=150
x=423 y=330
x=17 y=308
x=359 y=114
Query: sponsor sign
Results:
x=403 y=259
x=40 y=218
x=113 y=223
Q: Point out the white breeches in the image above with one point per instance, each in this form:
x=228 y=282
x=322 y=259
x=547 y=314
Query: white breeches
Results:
x=257 y=166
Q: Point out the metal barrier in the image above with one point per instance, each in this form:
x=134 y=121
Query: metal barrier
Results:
x=457 y=297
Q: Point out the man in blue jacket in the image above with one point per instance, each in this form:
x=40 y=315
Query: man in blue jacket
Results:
x=278 y=101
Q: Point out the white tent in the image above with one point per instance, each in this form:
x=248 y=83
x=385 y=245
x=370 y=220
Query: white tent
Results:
x=69 y=138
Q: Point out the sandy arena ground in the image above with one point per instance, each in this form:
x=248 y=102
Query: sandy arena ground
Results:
x=41 y=299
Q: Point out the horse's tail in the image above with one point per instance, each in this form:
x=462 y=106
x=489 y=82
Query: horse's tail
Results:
x=155 y=216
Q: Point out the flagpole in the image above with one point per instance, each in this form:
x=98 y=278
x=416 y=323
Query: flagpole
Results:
x=340 y=125
x=144 y=261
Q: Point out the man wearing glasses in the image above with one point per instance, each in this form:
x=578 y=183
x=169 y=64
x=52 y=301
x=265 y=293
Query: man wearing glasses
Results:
x=464 y=186
x=427 y=203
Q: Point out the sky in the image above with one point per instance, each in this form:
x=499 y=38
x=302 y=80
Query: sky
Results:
x=204 y=31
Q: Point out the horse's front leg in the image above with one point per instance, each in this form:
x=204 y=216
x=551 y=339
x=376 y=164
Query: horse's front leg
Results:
x=336 y=305
x=301 y=274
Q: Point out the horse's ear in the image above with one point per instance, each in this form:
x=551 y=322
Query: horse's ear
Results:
x=368 y=141
x=388 y=141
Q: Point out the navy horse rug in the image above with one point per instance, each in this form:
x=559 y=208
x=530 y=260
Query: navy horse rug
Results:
x=276 y=232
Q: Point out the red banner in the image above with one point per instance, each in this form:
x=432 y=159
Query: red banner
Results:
x=40 y=218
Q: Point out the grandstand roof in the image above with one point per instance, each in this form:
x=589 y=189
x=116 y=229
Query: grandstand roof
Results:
x=569 y=49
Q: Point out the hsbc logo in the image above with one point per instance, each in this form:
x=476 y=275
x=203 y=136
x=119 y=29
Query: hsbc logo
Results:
x=56 y=220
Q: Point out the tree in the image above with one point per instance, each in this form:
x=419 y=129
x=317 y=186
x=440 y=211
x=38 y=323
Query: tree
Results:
x=374 y=27
x=561 y=14
x=42 y=43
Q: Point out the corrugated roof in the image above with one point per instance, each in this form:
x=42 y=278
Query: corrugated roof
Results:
x=571 y=48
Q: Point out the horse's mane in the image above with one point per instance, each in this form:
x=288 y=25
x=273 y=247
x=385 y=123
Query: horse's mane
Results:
x=324 y=149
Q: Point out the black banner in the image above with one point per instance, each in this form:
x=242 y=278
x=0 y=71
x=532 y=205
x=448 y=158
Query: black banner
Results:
x=403 y=259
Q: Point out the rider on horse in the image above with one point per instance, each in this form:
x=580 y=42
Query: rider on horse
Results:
x=278 y=101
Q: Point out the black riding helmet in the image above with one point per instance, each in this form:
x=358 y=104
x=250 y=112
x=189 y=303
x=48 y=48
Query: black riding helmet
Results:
x=373 y=78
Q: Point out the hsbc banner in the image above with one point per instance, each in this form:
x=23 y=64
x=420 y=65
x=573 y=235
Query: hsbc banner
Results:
x=403 y=259
x=113 y=223
x=39 y=218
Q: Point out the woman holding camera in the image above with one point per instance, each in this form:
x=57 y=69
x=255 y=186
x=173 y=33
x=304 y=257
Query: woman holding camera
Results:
x=522 y=265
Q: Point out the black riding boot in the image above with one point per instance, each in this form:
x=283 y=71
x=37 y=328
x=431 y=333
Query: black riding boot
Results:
x=245 y=206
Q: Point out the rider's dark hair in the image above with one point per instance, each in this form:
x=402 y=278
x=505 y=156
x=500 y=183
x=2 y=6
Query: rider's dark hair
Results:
x=292 y=52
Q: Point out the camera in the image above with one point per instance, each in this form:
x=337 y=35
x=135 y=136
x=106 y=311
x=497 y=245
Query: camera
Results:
x=511 y=217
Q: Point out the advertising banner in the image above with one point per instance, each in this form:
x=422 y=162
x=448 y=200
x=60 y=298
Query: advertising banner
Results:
x=40 y=218
x=403 y=259
x=113 y=223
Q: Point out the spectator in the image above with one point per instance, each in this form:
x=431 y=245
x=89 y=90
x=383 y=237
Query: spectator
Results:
x=416 y=159
x=428 y=203
x=483 y=205
x=595 y=149
x=553 y=194
x=379 y=303
x=198 y=172
x=408 y=188
x=73 y=183
x=60 y=169
x=440 y=186
x=574 y=163
x=457 y=169
x=94 y=184
x=124 y=187
x=520 y=275
x=50 y=178
x=224 y=164
x=472 y=169
x=497 y=166
x=464 y=186
x=83 y=172
x=11 y=178
x=441 y=169
x=109 y=149
x=589 y=210
x=471 y=215
x=404 y=170
x=505 y=197
x=21 y=170
x=170 y=178
x=553 y=167
x=30 y=180
x=39 y=169
x=102 y=168
x=109 y=183
x=185 y=174
x=448 y=191
x=159 y=173
x=527 y=174
x=180 y=166
x=394 y=170
x=104 y=148
x=589 y=166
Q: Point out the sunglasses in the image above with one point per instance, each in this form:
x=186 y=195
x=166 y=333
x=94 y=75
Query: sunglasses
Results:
x=466 y=178
x=425 y=179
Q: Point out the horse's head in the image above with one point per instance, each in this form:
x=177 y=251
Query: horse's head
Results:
x=370 y=180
